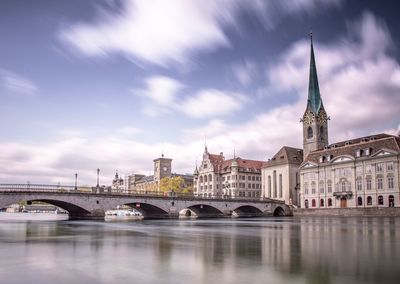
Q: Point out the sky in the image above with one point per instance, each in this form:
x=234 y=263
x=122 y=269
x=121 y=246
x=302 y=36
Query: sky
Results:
x=114 y=84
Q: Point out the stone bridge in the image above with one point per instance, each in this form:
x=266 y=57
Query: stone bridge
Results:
x=94 y=205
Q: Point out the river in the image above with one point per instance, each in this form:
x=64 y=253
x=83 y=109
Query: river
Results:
x=259 y=250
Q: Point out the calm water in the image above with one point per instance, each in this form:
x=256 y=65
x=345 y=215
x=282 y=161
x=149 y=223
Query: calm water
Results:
x=270 y=250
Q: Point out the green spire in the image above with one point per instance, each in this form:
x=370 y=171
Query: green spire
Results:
x=314 y=97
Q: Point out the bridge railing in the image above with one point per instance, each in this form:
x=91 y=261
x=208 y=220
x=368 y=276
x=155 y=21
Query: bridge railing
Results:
x=107 y=191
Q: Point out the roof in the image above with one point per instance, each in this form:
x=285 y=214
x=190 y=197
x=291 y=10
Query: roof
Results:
x=145 y=179
x=186 y=177
x=243 y=164
x=286 y=155
x=349 y=147
x=314 y=96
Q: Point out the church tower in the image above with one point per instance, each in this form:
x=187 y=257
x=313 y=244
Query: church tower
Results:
x=315 y=119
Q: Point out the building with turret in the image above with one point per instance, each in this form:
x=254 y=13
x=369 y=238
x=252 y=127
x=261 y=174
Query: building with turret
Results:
x=233 y=178
x=138 y=183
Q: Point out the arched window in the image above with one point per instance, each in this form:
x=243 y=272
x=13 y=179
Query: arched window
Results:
x=313 y=204
x=321 y=130
x=280 y=186
x=309 y=132
x=306 y=203
x=201 y=178
x=343 y=186
x=209 y=177
x=321 y=187
x=275 y=182
x=391 y=201
x=205 y=178
x=369 y=200
x=305 y=188
x=380 y=200
x=321 y=203
x=359 y=201
x=269 y=186
x=329 y=202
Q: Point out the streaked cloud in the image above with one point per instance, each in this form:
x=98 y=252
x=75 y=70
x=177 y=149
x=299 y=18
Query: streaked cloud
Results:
x=17 y=84
x=164 y=32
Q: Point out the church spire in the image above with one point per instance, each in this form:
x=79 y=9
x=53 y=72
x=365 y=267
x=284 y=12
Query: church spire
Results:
x=314 y=97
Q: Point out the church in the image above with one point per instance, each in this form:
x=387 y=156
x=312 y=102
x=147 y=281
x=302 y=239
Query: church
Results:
x=360 y=172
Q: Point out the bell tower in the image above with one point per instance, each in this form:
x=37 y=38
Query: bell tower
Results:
x=315 y=119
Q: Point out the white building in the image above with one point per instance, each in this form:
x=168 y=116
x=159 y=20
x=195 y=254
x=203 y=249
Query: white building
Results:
x=234 y=178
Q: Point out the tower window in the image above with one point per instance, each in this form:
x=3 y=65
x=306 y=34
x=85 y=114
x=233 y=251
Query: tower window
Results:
x=321 y=130
x=309 y=132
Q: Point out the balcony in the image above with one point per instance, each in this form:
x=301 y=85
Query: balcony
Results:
x=341 y=194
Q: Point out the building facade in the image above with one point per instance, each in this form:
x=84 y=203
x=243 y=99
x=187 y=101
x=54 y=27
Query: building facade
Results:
x=233 y=178
x=138 y=183
x=361 y=172
x=280 y=176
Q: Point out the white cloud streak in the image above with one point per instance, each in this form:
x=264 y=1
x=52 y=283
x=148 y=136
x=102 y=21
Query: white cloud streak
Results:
x=17 y=84
x=164 y=32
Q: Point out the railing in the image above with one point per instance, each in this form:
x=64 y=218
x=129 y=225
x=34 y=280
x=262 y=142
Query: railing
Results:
x=69 y=189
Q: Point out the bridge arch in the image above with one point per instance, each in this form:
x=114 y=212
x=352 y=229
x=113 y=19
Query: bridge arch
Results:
x=203 y=210
x=279 y=212
x=148 y=210
x=73 y=209
x=247 y=211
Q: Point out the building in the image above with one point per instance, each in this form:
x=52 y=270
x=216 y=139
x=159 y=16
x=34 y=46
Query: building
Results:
x=147 y=184
x=280 y=176
x=234 y=178
x=361 y=172
x=118 y=184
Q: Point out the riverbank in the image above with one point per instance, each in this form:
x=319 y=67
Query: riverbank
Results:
x=348 y=212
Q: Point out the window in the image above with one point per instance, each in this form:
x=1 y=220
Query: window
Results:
x=369 y=200
x=389 y=166
x=379 y=167
x=309 y=132
x=280 y=186
x=313 y=188
x=379 y=183
x=369 y=184
x=368 y=169
x=313 y=204
x=275 y=187
x=321 y=187
x=359 y=184
x=321 y=130
x=269 y=186
x=390 y=183
x=343 y=186
x=391 y=201
x=367 y=151
x=209 y=177
x=380 y=200
x=329 y=186
x=306 y=188
x=205 y=178
x=329 y=202
x=201 y=178
x=306 y=203
x=359 y=201
x=321 y=203
x=359 y=170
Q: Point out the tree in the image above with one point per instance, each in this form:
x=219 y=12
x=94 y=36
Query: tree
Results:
x=171 y=184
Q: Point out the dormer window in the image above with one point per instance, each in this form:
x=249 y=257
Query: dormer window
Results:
x=363 y=140
x=328 y=158
x=358 y=153
x=347 y=143
x=321 y=159
x=367 y=151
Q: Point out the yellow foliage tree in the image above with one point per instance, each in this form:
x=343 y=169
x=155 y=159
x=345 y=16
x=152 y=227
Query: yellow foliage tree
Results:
x=171 y=184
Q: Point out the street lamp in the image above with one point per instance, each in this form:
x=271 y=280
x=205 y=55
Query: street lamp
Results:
x=98 y=172
x=76 y=181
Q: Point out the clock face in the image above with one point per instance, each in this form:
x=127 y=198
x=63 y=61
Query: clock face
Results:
x=309 y=118
x=165 y=169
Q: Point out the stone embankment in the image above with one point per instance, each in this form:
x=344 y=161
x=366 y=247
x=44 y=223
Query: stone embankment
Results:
x=348 y=212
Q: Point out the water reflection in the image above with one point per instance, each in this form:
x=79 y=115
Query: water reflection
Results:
x=309 y=250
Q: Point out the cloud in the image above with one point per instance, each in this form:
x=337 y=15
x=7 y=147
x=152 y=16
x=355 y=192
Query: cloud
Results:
x=164 y=32
x=245 y=72
x=357 y=77
x=18 y=84
x=212 y=103
x=162 y=95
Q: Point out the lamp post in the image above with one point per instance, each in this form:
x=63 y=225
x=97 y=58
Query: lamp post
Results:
x=98 y=173
x=76 y=181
